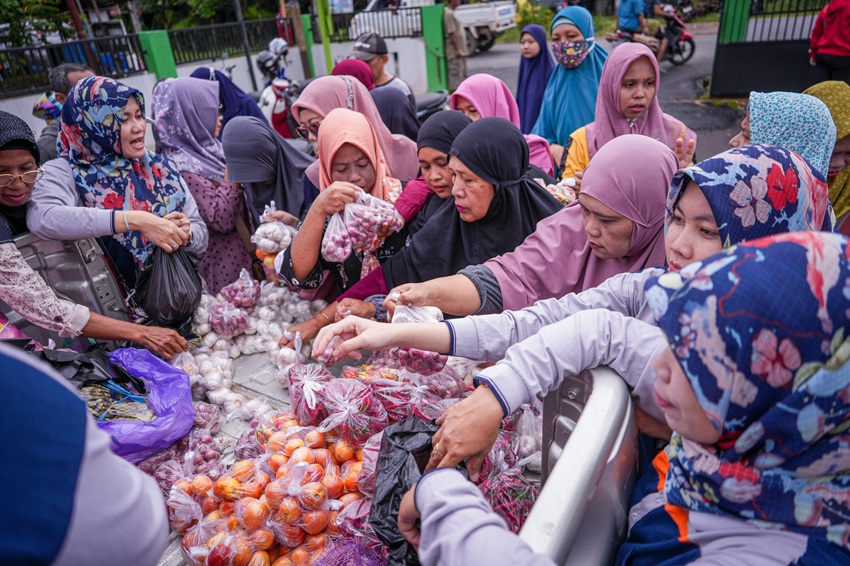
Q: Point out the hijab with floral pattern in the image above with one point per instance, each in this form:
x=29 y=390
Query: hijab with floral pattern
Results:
x=836 y=96
x=90 y=140
x=762 y=332
x=756 y=191
x=799 y=122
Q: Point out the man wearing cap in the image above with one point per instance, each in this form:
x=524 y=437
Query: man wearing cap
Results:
x=456 y=51
x=372 y=49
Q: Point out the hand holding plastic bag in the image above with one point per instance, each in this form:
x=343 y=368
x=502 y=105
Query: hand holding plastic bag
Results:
x=405 y=450
x=168 y=287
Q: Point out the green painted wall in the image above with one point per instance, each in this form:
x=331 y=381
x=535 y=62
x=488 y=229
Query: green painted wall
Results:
x=158 y=54
x=733 y=23
x=435 y=48
x=307 y=24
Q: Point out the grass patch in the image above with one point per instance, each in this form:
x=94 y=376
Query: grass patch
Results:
x=710 y=17
x=510 y=36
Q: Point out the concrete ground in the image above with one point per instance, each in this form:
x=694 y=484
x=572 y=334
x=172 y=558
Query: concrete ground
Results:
x=682 y=87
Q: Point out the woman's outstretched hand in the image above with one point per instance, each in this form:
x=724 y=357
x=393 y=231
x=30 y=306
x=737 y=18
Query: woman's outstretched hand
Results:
x=355 y=334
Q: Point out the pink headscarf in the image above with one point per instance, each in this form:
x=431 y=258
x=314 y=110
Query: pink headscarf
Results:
x=556 y=259
x=492 y=97
x=610 y=122
x=357 y=69
x=326 y=93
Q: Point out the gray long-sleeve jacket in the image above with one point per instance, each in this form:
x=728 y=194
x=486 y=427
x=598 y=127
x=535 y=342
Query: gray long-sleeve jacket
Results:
x=537 y=346
x=56 y=211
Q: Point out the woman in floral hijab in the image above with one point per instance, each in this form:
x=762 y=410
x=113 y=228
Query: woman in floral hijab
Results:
x=756 y=386
x=106 y=183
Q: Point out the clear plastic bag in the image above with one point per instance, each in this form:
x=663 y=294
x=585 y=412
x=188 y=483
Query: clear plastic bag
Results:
x=336 y=243
x=366 y=478
x=243 y=292
x=365 y=218
x=228 y=320
x=307 y=391
x=273 y=237
x=353 y=411
x=511 y=496
x=402 y=399
x=413 y=359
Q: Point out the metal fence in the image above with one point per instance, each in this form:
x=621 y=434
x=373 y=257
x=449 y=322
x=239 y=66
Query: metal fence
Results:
x=769 y=20
x=23 y=70
x=403 y=22
x=214 y=41
x=757 y=35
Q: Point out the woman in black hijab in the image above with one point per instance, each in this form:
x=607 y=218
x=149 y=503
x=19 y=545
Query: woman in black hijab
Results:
x=494 y=206
x=396 y=112
x=267 y=166
x=21 y=288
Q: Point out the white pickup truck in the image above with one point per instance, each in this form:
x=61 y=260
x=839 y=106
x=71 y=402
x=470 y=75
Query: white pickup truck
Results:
x=483 y=21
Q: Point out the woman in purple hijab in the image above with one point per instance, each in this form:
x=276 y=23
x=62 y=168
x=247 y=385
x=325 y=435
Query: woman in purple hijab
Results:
x=188 y=122
x=535 y=68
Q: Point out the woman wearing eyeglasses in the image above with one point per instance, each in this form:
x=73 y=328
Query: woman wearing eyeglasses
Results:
x=21 y=288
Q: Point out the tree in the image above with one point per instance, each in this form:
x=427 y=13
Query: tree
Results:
x=29 y=20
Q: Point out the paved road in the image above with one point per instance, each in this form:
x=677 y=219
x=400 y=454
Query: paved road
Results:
x=681 y=87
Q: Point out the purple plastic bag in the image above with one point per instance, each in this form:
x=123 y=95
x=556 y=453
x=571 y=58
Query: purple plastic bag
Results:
x=170 y=399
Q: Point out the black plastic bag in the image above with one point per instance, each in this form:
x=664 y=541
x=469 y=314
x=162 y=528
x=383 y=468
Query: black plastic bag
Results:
x=168 y=287
x=405 y=451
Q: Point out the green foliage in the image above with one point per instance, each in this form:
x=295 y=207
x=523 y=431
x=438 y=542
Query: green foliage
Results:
x=176 y=14
x=530 y=13
x=29 y=18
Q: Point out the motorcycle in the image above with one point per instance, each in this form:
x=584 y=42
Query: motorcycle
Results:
x=280 y=93
x=680 y=43
x=686 y=9
x=430 y=103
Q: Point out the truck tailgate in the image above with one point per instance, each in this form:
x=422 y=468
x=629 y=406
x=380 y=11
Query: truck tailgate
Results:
x=590 y=458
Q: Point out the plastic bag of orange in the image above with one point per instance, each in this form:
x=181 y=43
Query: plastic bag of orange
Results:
x=353 y=411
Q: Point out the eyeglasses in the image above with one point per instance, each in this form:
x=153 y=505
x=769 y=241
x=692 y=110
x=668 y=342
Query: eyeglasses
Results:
x=311 y=129
x=28 y=178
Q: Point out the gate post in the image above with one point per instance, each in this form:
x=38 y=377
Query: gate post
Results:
x=733 y=21
x=435 y=49
x=307 y=25
x=159 y=57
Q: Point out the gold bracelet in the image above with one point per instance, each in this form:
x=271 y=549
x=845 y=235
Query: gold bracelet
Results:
x=326 y=317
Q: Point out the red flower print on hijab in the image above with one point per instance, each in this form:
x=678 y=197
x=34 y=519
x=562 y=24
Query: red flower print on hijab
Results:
x=782 y=187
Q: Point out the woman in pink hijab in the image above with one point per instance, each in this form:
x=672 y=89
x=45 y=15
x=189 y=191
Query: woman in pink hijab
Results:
x=357 y=69
x=615 y=226
x=483 y=96
x=627 y=103
x=327 y=93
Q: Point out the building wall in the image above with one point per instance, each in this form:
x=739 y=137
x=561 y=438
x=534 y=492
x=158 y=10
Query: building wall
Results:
x=406 y=60
x=22 y=105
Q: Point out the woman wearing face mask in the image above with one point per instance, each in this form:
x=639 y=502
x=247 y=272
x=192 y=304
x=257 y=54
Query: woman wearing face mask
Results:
x=836 y=96
x=482 y=96
x=613 y=229
x=269 y=168
x=495 y=205
x=21 y=288
x=570 y=98
x=106 y=184
x=535 y=69
x=715 y=204
x=628 y=104
x=186 y=131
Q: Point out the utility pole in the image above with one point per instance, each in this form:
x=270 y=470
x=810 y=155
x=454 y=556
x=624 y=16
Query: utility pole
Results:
x=245 y=44
x=295 y=15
